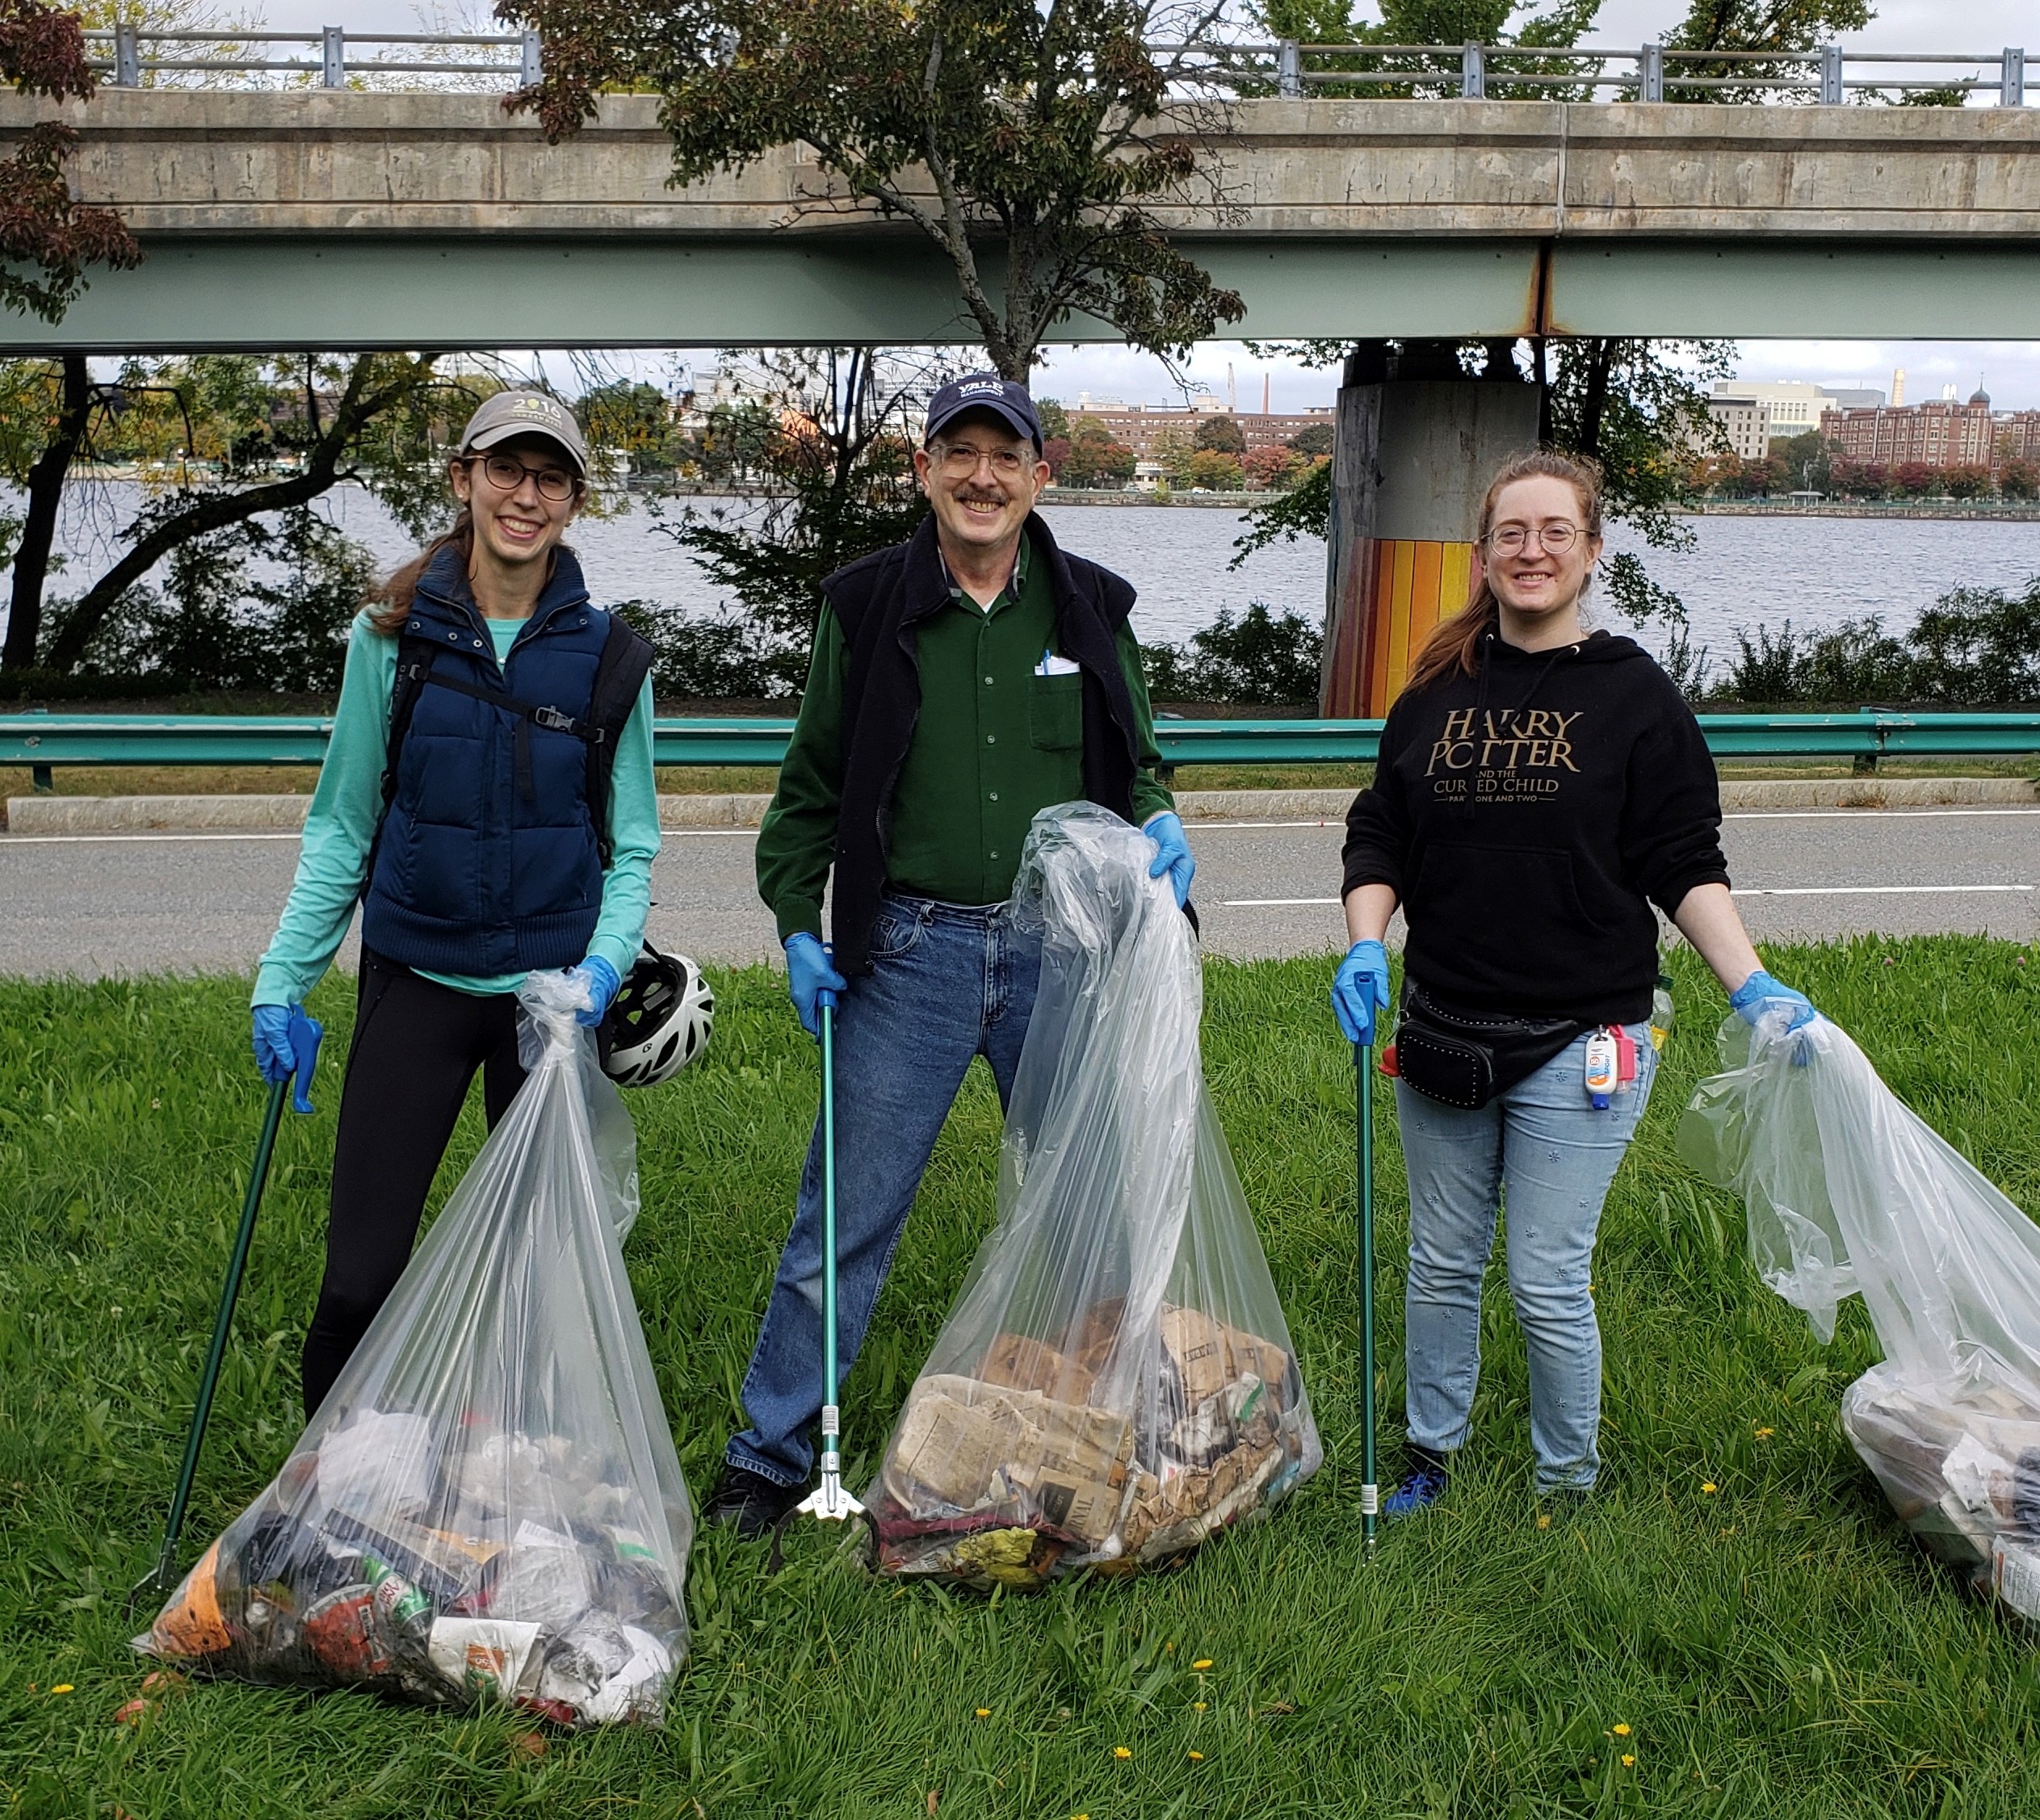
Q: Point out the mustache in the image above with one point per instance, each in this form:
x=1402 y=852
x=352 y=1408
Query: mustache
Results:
x=977 y=496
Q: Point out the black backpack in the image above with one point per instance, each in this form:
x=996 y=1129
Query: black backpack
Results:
x=626 y=661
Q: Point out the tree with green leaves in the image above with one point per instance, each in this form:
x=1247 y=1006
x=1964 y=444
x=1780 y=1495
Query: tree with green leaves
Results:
x=1553 y=25
x=837 y=473
x=1031 y=140
x=1780 y=27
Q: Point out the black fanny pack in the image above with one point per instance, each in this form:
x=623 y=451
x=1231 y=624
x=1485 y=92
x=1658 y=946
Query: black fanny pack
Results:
x=1465 y=1059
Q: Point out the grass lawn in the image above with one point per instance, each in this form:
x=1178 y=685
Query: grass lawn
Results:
x=1776 y=1646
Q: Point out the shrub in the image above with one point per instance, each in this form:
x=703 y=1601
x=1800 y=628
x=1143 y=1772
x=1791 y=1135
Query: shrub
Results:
x=1257 y=657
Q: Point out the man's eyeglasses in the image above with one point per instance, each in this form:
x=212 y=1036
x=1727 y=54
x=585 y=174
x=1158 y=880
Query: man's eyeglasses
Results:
x=959 y=460
x=506 y=474
x=1555 y=539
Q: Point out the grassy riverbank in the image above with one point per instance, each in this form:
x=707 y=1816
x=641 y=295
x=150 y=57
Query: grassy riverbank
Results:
x=1772 y=1645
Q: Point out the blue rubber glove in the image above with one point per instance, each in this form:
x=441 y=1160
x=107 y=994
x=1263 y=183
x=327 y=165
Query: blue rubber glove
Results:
x=274 y=1055
x=811 y=981
x=287 y=1042
x=1171 y=854
x=1760 y=992
x=598 y=979
x=1360 y=990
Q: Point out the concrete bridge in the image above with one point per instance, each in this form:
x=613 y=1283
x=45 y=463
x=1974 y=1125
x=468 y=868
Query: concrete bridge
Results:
x=336 y=219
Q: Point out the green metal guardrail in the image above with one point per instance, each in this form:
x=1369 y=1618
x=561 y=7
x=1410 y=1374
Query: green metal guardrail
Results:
x=44 y=741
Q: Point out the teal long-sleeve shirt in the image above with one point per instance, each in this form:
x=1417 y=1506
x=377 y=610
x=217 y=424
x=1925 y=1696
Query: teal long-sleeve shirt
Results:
x=347 y=808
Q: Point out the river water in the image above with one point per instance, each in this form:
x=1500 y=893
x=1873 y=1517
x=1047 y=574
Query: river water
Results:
x=1741 y=572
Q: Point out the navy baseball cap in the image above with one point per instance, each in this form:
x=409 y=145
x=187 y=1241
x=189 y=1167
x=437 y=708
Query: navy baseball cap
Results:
x=1005 y=399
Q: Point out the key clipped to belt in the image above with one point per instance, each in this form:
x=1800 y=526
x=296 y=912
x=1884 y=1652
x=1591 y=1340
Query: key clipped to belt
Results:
x=1610 y=1065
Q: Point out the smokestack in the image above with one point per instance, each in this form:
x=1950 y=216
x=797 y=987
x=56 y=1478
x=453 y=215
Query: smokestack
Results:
x=1898 y=386
x=1264 y=394
x=1231 y=392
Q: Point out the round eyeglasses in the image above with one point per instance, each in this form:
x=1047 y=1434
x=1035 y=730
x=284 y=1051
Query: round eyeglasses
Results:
x=506 y=474
x=1555 y=539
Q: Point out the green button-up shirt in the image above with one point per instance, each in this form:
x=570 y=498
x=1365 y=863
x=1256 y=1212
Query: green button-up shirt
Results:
x=1000 y=736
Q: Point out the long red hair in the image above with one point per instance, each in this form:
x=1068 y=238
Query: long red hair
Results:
x=390 y=602
x=1455 y=644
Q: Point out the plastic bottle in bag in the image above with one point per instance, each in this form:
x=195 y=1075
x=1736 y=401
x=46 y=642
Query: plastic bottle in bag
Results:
x=1116 y=1380
x=489 y=1504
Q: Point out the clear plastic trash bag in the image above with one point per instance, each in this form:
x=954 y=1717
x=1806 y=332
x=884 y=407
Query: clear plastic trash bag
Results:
x=1115 y=1380
x=1849 y=1191
x=489 y=1505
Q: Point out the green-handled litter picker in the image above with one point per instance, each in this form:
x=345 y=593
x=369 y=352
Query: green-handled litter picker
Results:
x=1363 y=1062
x=828 y=1500
x=306 y=1035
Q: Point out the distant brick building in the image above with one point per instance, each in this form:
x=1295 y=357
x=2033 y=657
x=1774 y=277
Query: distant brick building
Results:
x=1940 y=434
x=2018 y=437
x=1137 y=425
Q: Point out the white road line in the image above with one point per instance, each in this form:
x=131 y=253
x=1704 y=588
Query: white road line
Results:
x=1858 y=815
x=1869 y=890
x=1775 y=891
x=117 y=840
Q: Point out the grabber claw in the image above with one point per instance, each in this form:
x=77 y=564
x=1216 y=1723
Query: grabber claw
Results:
x=828 y=1500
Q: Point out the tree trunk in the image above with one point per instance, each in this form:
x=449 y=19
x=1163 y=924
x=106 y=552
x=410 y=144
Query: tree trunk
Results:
x=38 y=529
x=216 y=512
x=1600 y=355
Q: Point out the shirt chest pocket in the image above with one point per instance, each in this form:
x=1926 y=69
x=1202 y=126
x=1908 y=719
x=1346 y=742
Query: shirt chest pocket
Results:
x=1056 y=712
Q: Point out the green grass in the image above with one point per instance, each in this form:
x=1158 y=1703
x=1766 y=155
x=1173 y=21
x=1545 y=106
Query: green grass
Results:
x=1777 y=1647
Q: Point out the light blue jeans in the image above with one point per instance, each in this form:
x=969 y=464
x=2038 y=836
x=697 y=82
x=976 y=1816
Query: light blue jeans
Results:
x=1542 y=1150
x=948 y=981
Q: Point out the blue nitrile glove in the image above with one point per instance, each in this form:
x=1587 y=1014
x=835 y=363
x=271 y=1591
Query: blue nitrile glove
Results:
x=273 y=1055
x=811 y=979
x=1360 y=990
x=1749 y=999
x=287 y=1042
x=599 y=979
x=1172 y=853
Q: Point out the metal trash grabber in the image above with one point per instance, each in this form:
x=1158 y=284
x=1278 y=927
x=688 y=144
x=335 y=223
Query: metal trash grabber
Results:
x=1363 y=1058
x=306 y=1034
x=828 y=1500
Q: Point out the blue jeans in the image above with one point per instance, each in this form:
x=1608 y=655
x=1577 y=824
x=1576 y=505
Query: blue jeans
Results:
x=1543 y=1150
x=948 y=981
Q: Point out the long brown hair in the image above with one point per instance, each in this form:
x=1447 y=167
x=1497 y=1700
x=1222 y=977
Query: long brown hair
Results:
x=1455 y=644
x=391 y=600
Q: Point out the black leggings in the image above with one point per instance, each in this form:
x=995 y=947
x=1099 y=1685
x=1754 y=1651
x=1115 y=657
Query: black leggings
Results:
x=416 y=1046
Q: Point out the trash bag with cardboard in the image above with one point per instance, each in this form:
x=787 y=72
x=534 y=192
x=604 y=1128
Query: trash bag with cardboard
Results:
x=1116 y=1380
x=489 y=1505
x=1850 y=1192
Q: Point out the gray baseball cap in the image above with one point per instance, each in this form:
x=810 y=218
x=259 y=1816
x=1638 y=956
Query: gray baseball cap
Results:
x=526 y=413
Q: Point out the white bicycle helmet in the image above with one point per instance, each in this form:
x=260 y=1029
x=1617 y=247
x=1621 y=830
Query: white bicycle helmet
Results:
x=659 y=1020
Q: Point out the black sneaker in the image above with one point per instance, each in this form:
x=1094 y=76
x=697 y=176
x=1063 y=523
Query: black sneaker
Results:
x=749 y=1500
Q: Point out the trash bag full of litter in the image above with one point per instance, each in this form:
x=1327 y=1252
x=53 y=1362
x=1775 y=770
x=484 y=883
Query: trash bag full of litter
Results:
x=489 y=1505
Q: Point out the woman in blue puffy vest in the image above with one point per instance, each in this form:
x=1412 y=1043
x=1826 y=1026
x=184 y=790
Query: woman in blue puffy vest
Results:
x=487 y=798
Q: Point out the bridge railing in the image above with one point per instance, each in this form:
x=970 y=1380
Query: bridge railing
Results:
x=44 y=740
x=131 y=57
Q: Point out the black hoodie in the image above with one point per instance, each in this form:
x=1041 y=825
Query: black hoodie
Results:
x=1528 y=816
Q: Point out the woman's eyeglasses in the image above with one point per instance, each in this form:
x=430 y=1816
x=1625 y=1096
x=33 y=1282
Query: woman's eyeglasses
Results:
x=1555 y=539
x=506 y=474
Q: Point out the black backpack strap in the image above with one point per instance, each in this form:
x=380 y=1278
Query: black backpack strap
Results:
x=626 y=661
x=414 y=656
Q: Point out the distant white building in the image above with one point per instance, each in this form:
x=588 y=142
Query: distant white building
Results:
x=1792 y=407
x=1746 y=422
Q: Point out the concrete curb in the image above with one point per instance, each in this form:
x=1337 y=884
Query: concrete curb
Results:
x=131 y=815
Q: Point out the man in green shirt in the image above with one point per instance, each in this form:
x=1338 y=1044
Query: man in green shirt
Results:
x=960 y=682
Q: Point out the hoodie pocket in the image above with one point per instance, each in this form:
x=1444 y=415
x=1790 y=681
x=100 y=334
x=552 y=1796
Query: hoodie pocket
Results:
x=1501 y=912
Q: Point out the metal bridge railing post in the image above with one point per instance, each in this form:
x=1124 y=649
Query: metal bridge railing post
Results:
x=332 y=57
x=1473 y=74
x=1289 y=69
x=1831 y=90
x=2011 y=89
x=532 y=66
x=1650 y=72
x=126 y=58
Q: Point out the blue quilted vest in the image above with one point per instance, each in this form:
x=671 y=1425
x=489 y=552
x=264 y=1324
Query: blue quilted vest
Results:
x=488 y=863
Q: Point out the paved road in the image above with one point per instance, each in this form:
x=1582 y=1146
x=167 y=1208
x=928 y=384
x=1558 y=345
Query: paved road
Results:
x=132 y=903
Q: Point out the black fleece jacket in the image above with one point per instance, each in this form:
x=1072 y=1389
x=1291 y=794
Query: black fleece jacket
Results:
x=1528 y=816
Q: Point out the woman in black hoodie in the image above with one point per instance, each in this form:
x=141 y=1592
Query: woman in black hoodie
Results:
x=1539 y=788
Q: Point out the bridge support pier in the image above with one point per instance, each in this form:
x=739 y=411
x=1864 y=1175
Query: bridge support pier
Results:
x=1416 y=441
